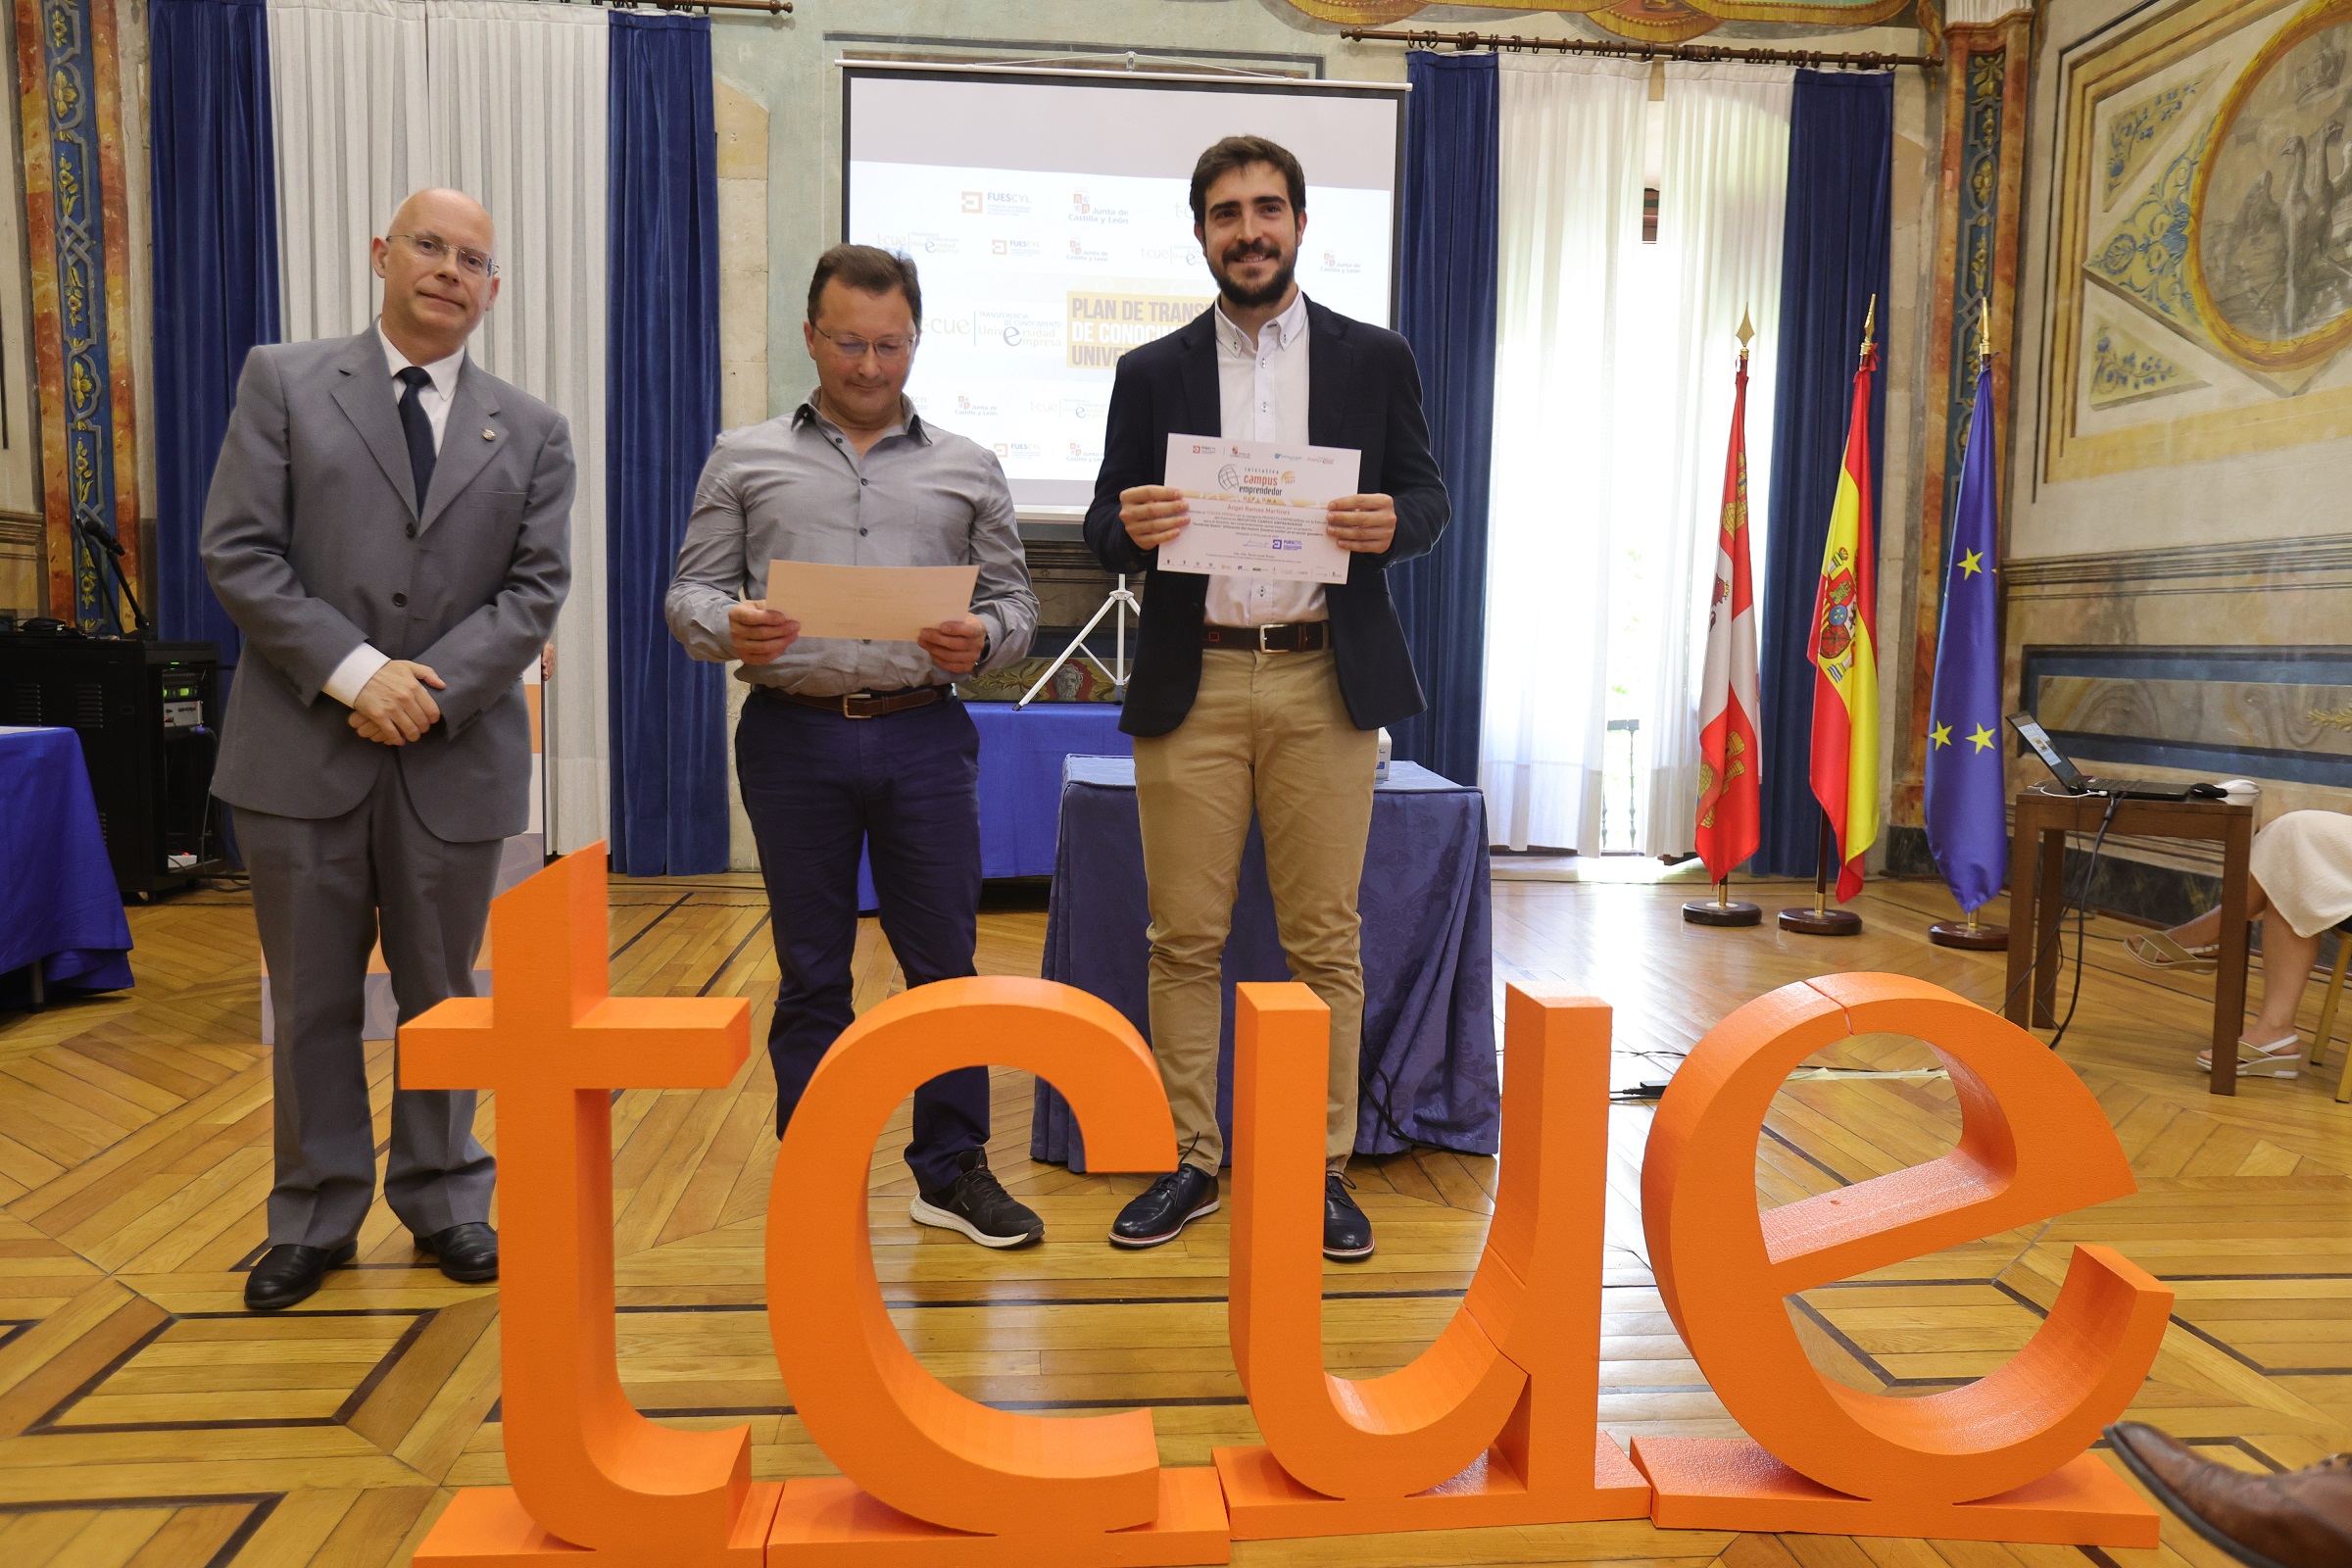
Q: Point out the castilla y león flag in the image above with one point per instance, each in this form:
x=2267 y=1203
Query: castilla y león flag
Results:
x=1728 y=761
x=1845 y=655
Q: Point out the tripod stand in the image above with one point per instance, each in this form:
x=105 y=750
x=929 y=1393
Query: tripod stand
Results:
x=1120 y=600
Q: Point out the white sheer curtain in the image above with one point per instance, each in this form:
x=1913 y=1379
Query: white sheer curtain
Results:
x=1614 y=386
x=1721 y=197
x=1569 y=205
x=507 y=101
x=518 y=121
x=347 y=96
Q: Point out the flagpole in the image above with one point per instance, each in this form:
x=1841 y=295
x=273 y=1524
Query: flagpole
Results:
x=1724 y=912
x=1971 y=935
x=1821 y=920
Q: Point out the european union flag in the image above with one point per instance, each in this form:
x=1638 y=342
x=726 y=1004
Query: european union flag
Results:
x=1968 y=829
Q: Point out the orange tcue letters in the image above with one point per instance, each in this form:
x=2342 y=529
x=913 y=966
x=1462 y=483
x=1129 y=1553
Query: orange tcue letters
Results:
x=1023 y=1490
x=553 y=1045
x=1493 y=1424
x=2001 y=1458
x=1498 y=1416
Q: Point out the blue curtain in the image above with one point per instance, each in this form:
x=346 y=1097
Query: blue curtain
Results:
x=1453 y=141
x=215 y=208
x=669 y=782
x=1832 y=261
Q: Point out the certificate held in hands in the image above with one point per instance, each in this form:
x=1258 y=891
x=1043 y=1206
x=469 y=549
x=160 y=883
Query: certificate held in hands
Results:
x=1258 y=508
x=884 y=604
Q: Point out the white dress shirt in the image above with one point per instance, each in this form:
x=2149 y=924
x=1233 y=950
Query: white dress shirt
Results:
x=1261 y=387
x=359 y=666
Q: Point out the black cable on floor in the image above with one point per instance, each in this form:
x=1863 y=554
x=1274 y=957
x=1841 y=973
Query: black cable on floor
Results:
x=2083 y=920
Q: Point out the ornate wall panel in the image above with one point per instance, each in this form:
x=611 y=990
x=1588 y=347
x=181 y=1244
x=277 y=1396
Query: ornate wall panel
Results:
x=1654 y=20
x=74 y=196
x=1985 y=74
x=2202 y=295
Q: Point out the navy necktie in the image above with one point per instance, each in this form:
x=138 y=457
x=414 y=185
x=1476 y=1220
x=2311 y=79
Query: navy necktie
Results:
x=418 y=428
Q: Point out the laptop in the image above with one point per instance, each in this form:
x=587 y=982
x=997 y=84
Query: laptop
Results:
x=2070 y=778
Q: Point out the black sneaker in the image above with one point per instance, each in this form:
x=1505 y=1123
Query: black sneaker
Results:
x=1347 y=1234
x=1165 y=1208
x=977 y=1205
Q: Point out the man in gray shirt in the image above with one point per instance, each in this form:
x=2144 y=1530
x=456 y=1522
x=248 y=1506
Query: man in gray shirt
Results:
x=848 y=745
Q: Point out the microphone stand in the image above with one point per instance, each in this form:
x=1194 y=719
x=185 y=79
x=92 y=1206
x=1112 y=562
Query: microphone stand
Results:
x=107 y=545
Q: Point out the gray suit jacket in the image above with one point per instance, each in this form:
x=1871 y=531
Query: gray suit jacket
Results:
x=315 y=544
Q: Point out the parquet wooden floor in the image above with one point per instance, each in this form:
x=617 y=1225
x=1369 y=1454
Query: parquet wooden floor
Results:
x=145 y=1419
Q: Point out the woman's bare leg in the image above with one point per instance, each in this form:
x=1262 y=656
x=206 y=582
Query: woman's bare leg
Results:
x=2206 y=929
x=2286 y=961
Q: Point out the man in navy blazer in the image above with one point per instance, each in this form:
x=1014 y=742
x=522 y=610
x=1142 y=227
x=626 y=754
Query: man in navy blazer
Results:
x=1251 y=694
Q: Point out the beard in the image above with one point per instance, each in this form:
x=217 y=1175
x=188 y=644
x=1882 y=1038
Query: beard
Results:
x=1251 y=299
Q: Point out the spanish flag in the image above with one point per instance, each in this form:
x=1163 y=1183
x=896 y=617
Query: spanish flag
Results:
x=1844 y=654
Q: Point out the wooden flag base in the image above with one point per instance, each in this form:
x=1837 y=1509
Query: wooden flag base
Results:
x=1970 y=936
x=1706 y=912
x=1822 y=922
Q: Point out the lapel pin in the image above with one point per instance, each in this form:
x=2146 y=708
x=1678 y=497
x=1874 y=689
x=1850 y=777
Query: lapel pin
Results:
x=489 y=435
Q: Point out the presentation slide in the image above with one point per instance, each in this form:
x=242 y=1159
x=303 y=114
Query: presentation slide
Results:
x=1053 y=228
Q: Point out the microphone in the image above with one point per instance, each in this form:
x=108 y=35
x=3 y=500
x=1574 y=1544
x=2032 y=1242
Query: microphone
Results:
x=99 y=537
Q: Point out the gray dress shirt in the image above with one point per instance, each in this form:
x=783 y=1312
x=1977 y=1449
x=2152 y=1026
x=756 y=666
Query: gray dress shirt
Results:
x=794 y=489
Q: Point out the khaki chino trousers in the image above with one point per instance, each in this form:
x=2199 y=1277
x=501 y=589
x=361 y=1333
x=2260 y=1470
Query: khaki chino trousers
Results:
x=1270 y=732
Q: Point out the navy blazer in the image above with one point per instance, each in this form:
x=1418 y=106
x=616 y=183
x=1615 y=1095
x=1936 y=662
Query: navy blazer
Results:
x=1363 y=391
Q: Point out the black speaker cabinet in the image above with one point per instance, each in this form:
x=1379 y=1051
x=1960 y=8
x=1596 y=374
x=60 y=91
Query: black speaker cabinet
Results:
x=149 y=717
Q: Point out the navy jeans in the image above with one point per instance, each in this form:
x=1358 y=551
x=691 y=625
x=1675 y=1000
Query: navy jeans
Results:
x=905 y=786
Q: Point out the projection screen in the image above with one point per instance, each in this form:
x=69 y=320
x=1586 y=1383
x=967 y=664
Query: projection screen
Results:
x=1048 y=214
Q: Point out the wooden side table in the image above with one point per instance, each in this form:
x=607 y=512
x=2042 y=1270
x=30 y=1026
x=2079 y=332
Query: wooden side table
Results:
x=2042 y=826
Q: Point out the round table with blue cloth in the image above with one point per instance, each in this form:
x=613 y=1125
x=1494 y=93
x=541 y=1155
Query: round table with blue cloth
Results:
x=1429 y=1001
x=59 y=905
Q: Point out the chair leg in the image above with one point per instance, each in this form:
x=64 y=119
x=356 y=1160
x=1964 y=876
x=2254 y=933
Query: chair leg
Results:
x=2335 y=992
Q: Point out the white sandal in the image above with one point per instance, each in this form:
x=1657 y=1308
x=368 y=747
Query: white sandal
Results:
x=2159 y=951
x=2280 y=1058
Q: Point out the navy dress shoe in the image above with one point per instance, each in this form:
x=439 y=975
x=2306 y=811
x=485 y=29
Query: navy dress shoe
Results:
x=1346 y=1232
x=1165 y=1208
x=291 y=1272
x=469 y=1253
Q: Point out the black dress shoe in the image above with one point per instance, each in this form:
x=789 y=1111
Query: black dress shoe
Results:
x=469 y=1253
x=1165 y=1208
x=290 y=1272
x=1347 y=1234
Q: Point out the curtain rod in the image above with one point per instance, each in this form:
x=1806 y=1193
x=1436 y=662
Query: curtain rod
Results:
x=1640 y=51
x=774 y=8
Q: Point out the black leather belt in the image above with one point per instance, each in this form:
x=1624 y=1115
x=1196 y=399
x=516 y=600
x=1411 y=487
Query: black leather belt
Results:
x=1283 y=637
x=861 y=705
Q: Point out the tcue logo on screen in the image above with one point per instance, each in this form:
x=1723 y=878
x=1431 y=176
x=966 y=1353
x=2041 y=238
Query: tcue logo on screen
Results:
x=1492 y=1424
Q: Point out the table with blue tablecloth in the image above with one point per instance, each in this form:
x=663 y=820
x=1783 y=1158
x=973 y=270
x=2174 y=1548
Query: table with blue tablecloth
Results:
x=59 y=907
x=1429 y=1005
x=1021 y=753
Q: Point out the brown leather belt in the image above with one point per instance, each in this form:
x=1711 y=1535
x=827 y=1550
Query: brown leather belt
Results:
x=861 y=705
x=1283 y=637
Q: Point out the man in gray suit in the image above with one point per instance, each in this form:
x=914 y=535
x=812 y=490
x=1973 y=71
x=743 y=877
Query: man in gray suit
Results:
x=389 y=528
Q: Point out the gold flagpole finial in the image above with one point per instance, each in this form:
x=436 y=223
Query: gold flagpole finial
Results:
x=1747 y=333
x=1870 y=327
x=1984 y=331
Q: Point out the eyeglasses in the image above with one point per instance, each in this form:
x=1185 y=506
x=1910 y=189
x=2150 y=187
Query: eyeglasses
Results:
x=890 y=349
x=432 y=247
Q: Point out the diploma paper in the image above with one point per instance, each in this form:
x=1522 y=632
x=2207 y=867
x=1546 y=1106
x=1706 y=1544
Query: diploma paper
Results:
x=1258 y=508
x=888 y=604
